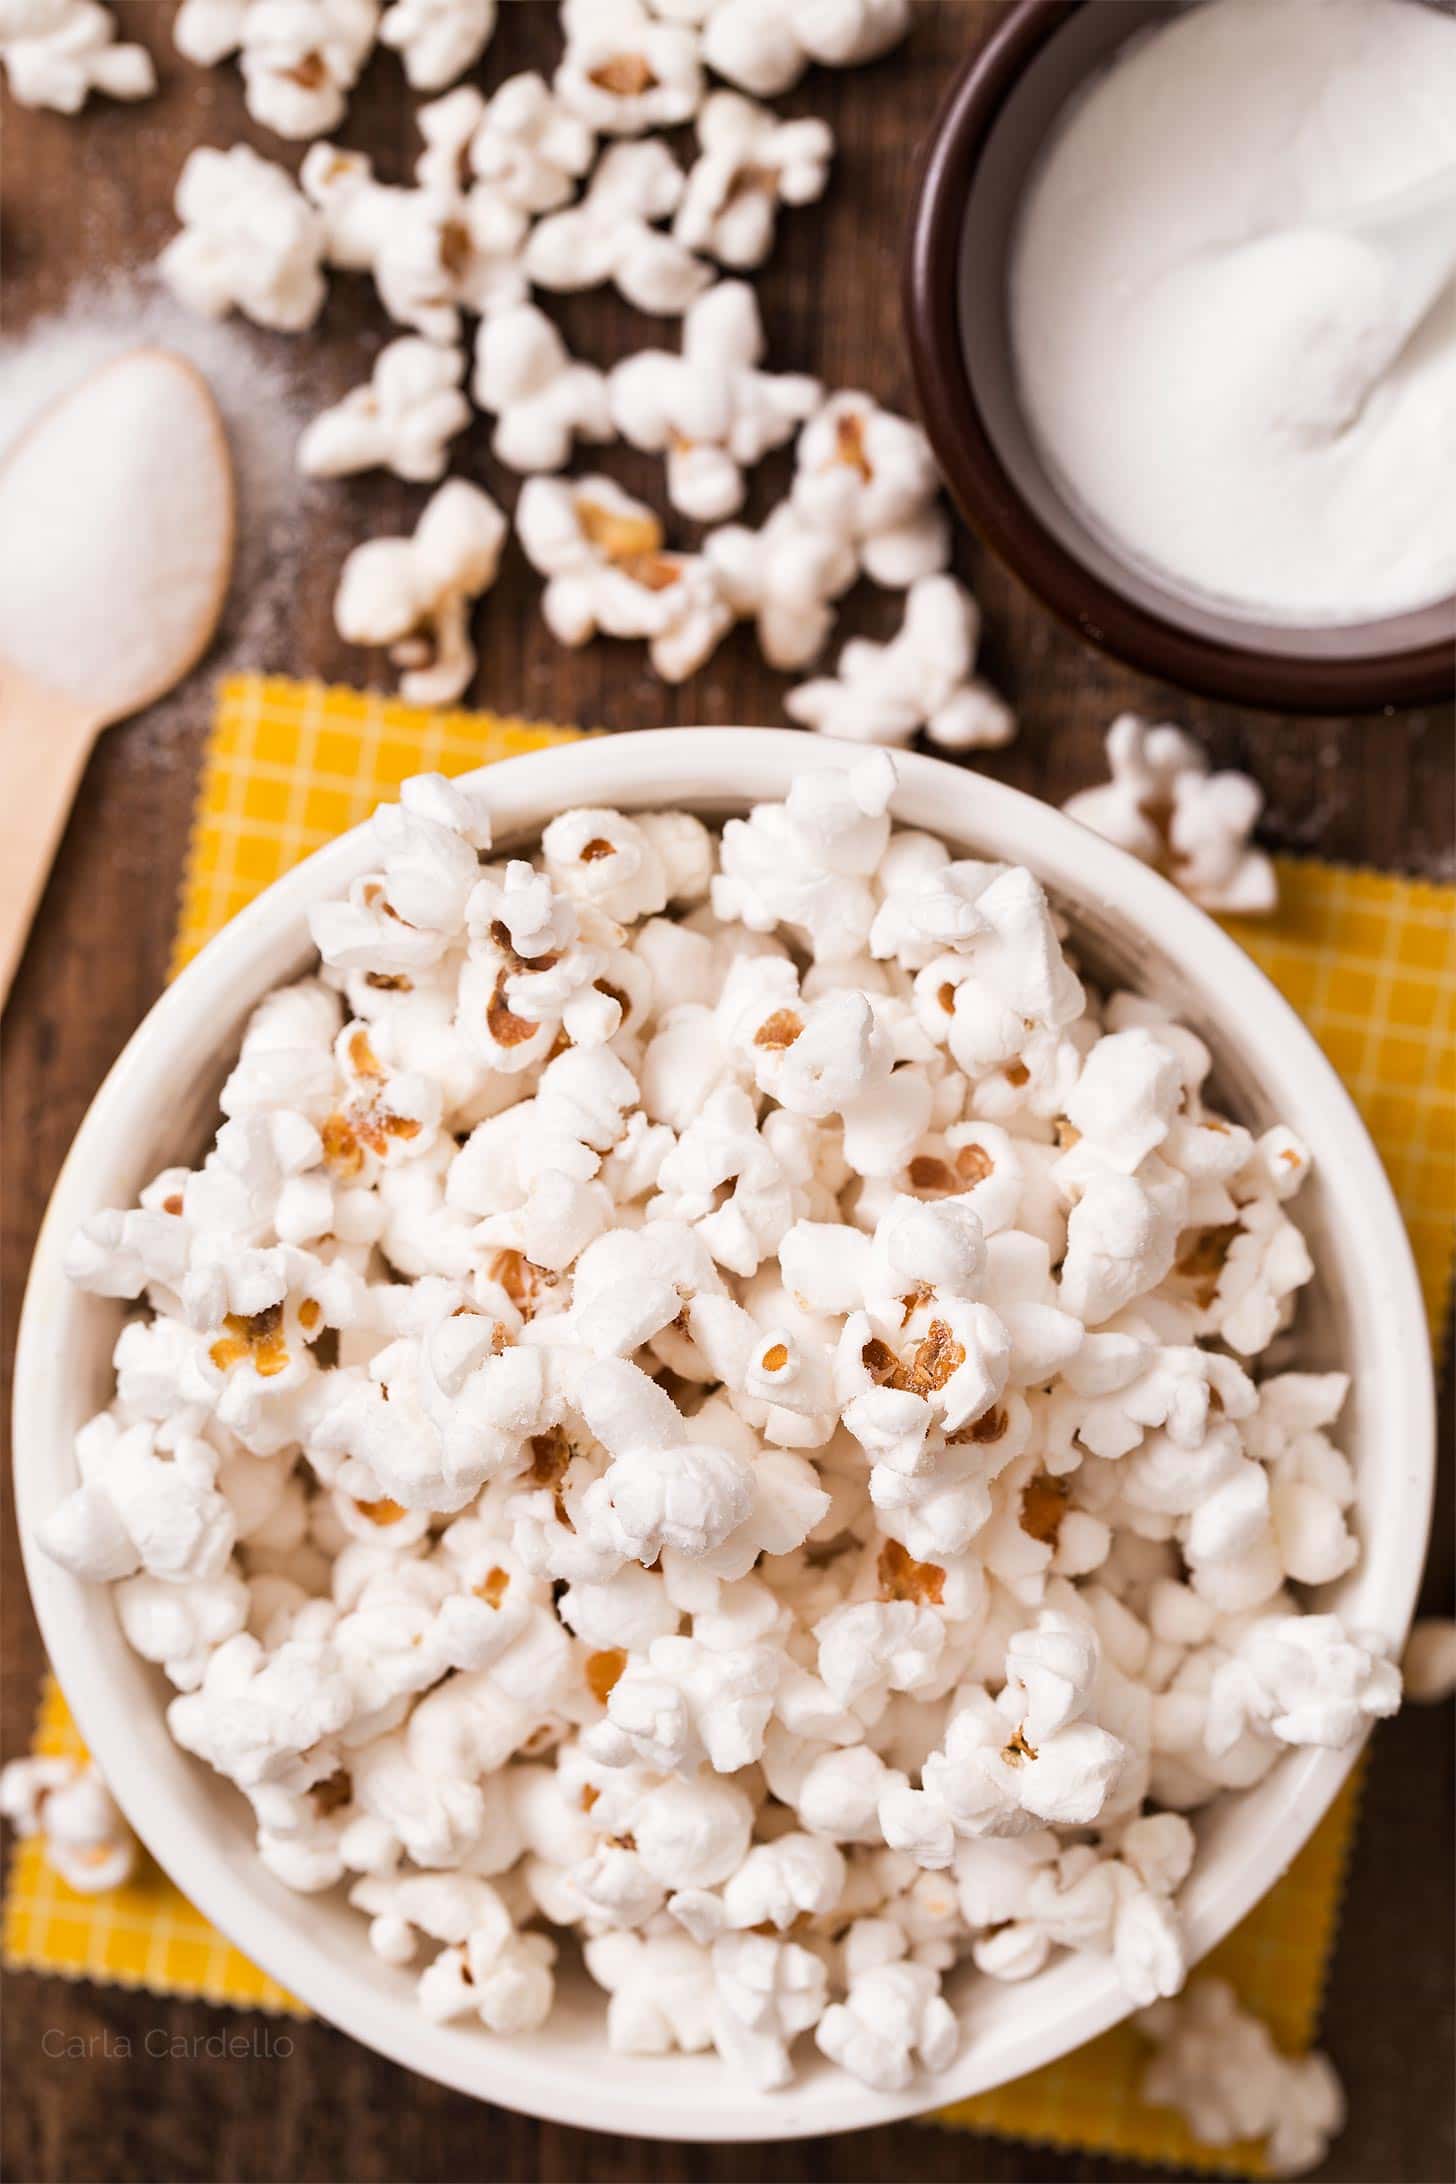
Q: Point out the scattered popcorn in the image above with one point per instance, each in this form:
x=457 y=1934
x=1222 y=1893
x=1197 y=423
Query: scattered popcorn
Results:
x=521 y=140
x=766 y=45
x=625 y=69
x=299 y=58
x=249 y=241
x=542 y=400
x=609 y=234
x=921 y=679
x=1164 y=806
x=709 y=1395
x=869 y=480
x=67 y=1805
x=402 y=421
x=57 y=52
x=608 y=570
x=1218 y=2066
x=433 y=252
x=1428 y=1666
x=437 y=40
x=749 y=163
x=414 y=595
x=784 y=579
x=711 y=411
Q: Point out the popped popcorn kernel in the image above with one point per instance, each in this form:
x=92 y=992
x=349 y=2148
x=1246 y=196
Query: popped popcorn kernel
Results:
x=709 y=1394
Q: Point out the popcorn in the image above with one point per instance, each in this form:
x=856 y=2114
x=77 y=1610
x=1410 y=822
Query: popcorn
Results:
x=766 y=47
x=249 y=241
x=529 y=146
x=541 y=399
x=401 y=421
x=660 y=1489
x=1085 y=1898
x=749 y=163
x=431 y=252
x=711 y=410
x=437 y=40
x=413 y=594
x=607 y=569
x=703 y=1396
x=766 y=1992
x=778 y=1883
x=509 y=1987
x=869 y=480
x=1243 y=1273
x=626 y=70
x=868 y=1650
x=609 y=234
x=785 y=579
x=141 y=1506
x=1164 y=806
x=83 y=1835
x=1218 y=2066
x=181 y=1625
x=256 y=1717
x=661 y=1990
x=1302 y=1679
x=299 y=58
x=57 y=52
x=921 y=679
x=892 y=2017
x=1125 y=1098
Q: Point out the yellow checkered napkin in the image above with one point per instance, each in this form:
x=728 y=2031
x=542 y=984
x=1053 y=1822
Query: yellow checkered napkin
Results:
x=1369 y=962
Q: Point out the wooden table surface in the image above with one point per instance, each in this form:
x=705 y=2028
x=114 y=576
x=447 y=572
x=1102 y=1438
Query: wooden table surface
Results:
x=84 y=197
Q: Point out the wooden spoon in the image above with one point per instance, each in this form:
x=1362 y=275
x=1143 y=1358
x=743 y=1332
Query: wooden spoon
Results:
x=116 y=545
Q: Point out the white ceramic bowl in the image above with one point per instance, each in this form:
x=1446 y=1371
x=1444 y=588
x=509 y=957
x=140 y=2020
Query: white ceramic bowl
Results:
x=1363 y=1312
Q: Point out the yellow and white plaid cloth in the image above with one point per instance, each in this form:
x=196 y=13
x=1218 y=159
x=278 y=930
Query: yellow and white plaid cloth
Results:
x=1369 y=962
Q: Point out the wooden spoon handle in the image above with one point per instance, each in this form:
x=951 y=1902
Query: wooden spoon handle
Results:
x=45 y=738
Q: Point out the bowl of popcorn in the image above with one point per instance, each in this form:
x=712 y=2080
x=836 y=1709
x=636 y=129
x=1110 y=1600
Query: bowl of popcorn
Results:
x=722 y=1438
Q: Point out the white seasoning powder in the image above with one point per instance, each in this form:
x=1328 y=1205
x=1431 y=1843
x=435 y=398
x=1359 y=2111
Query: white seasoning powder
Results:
x=117 y=536
x=1204 y=355
x=261 y=413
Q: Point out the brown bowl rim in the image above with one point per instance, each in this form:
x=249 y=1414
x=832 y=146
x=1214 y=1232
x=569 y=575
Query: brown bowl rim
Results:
x=988 y=496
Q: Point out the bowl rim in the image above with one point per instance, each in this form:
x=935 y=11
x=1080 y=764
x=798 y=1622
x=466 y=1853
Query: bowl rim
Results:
x=727 y=769
x=989 y=497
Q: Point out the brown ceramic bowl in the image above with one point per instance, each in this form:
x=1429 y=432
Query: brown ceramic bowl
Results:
x=984 y=143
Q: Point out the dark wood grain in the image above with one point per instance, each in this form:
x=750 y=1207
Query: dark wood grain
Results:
x=80 y=199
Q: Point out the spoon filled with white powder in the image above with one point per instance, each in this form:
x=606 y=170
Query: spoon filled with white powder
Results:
x=1233 y=311
x=116 y=544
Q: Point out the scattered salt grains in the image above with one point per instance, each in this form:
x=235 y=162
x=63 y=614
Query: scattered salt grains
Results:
x=620 y=1443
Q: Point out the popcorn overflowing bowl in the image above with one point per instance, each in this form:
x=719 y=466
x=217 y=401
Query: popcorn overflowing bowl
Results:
x=1361 y=1314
